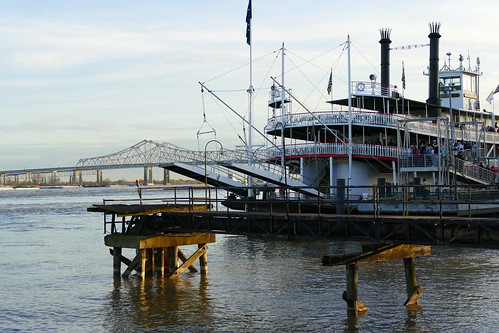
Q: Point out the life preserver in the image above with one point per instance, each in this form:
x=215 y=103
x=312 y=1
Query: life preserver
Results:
x=361 y=86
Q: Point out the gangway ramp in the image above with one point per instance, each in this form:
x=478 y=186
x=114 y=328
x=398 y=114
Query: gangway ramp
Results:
x=202 y=175
x=271 y=177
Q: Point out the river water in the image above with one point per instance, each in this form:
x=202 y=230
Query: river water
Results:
x=56 y=276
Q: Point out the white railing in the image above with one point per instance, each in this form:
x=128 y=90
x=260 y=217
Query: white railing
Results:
x=369 y=118
x=314 y=149
x=474 y=171
x=459 y=165
x=335 y=118
x=373 y=88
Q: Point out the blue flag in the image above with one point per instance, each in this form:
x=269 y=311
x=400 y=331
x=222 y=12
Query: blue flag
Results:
x=248 y=24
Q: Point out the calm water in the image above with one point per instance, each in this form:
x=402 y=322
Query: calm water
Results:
x=56 y=275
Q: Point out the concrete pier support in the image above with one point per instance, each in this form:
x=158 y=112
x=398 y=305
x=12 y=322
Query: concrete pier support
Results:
x=166 y=176
x=99 y=177
x=148 y=178
x=77 y=178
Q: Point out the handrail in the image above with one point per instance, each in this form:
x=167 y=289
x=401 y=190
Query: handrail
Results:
x=371 y=118
x=313 y=149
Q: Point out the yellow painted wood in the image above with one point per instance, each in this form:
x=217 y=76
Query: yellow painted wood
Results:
x=165 y=240
x=382 y=253
x=200 y=207
x=168 y=240
x=182 y=257
x=399 y=252
x=195 y=256
x=203 y=261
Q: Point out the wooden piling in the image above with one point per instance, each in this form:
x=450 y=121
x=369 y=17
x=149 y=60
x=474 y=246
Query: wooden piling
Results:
x=116 y=261
x=203 y=261
x=413 y=290
x=172 y=259
x=351 y=295
x=377 y=253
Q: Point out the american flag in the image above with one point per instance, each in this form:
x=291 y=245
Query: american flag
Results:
x=330 y=84
x=248 y=24
x=403 y=76
x=491 y=96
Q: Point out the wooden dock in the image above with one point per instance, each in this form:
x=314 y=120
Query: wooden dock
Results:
x=156 y=252
x=157 y=231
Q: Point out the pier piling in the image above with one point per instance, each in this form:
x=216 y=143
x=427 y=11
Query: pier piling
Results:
x=378 y=253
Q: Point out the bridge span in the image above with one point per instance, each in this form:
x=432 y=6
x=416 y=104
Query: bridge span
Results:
x=146 y=154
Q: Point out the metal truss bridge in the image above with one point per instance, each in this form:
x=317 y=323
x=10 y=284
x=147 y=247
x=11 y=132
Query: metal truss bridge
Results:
x=145 y=154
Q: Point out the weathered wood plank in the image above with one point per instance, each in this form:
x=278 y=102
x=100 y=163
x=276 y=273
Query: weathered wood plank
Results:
x=165 y=240
x=195 y=256
x=133 y=209
x=133 y=265
x=182 y=257
x=383 y=253
x=168 y=240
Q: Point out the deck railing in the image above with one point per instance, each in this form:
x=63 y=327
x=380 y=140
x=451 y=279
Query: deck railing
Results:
x=455 y=164
x=370 y=118
x=338 y=149
x=335 y=118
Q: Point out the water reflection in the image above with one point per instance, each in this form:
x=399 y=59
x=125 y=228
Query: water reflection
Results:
x=353 y=322
x=414 y=316
x=154 y=304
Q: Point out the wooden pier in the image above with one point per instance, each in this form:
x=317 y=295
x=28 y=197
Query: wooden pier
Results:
x=157 y=231
x=156 y=253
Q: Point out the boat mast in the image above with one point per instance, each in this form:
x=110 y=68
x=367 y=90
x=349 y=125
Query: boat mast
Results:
x=349 y=119
x=283 y=113
x=250 y=94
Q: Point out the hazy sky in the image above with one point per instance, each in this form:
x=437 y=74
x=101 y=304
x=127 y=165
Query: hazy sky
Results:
x=85 y=78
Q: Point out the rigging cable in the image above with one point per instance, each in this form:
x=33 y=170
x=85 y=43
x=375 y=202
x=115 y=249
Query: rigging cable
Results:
x=211 y=130
x=239 y=67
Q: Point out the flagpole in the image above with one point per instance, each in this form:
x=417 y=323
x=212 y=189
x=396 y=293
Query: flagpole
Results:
x=250 y=95
x=350 y=161
x=330 y=87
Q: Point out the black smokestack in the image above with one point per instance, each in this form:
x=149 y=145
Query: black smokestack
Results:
x=385 y=60
x=433 y=101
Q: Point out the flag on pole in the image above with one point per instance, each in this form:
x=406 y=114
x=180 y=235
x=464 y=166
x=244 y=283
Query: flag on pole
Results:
x=403 y=76
x=491 y=96
x=330 y=83
x=248 y=24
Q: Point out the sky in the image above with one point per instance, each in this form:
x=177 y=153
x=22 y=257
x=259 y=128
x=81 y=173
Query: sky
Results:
x=87 y=78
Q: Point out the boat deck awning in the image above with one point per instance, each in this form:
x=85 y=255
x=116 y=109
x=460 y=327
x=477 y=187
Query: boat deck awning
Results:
x=274 y=178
